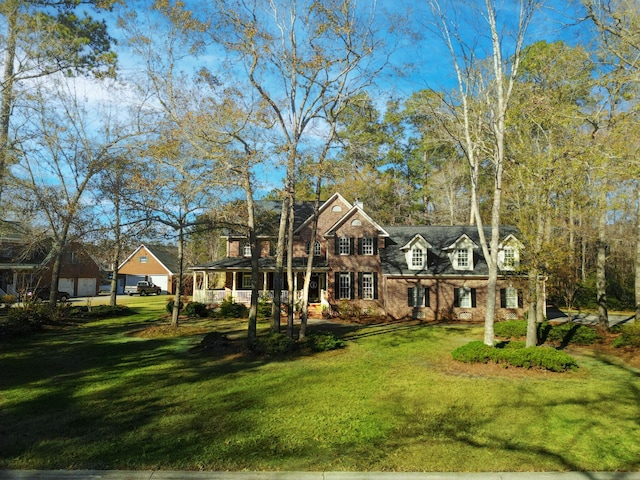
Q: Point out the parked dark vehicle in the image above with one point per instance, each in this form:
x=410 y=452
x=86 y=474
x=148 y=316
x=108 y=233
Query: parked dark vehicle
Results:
x=42 y=294
x=143 y=288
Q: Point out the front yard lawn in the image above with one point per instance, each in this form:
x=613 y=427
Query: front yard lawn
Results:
x=122 y=394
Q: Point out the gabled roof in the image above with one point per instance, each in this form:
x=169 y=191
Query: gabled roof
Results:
x=441 y=238
x=355 y=209
x=325 y=204
x=164 y=255
x=464 y=238
x=417 y=238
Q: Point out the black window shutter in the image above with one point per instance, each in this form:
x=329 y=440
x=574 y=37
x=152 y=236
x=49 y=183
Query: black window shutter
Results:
x=375 y=286
x=359 y=284
x=351 y=250
x=352 y=277
x=520 y=299
x=336 y=245
x=473 y=298
x=427 y=297
x=456 y=297
x=360 y=240
x=503 y=298
x=410 y=296
x=375 y=245
x=336 y=285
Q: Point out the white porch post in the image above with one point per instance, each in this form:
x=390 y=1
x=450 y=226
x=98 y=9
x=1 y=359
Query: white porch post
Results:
x=234 y=295
x=264 y=283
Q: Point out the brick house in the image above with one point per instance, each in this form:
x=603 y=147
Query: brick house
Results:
x=434 y=273
x=26 y=264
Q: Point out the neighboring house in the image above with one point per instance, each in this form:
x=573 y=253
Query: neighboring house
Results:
x=435 y=273
x=25 y=264
x=155 y=263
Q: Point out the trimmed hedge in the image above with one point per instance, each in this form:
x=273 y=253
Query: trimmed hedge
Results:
x=323 y=342
x=196 y=309
x=511 y=329
x=515 y=354
x=564 y=333
x=629 y=336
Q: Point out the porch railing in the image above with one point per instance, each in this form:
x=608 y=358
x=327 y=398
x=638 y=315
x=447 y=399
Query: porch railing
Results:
x=239 y=296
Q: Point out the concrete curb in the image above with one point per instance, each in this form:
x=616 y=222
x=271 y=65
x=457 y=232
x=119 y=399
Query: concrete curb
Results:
x=186 y=475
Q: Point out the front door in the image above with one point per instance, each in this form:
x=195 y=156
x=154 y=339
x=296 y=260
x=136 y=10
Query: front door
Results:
x=314 y=289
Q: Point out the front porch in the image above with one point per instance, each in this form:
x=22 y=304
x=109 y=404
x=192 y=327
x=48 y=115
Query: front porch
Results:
x=212 y=287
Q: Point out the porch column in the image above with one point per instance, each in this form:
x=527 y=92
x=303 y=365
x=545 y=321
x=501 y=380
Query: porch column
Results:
x=234 y=295
x=264 y=283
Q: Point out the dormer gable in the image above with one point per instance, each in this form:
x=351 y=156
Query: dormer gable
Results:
x=350 y=216
x=460 y=253
x=416 y=252
x=336 y=203
x=509 y=253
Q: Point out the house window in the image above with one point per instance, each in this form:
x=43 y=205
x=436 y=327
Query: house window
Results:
x=368 y=286
x=510 y=298
x=317 y=249
x=417 y=257
x=418 y=296
x=465 y=297
x=143 y=259
x=246 y=250
x=462 y=258
x=344 y=286
x=509 y=258
x=367 y=246
x=246 y=280
x=344 y=245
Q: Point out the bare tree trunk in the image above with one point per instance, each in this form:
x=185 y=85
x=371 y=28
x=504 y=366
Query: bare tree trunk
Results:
x=116 y=260
x=255 y=256
x=601 y=262
x=307 y=276
x=279 y=271
x=290 y=275
x=175 y=314
x=7 y=90
x=532 y=314
x=637 y=259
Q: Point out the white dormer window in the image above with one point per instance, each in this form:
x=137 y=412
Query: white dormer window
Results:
x=509 y=253
x=415 y=252
x=417 y=258
x=462 y=258
x=246 y=250
x=509 y=258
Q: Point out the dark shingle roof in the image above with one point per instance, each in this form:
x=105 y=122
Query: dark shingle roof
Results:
x=167 y=255
x=439 y=237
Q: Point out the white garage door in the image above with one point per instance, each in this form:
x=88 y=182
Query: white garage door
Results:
x=66 y=285
x=86 y=287
x=161 y=280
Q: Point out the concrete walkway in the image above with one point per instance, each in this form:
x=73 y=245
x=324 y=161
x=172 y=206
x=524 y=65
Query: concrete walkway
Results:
x=174 y=475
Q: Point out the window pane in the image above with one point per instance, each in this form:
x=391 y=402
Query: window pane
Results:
x=344 y=287
x=367 y=246
x=317 y=250
x=511 y=297
x=367 y=286
x=417 y=257
x=344 y=246
x=465 y=298
x=462 y=255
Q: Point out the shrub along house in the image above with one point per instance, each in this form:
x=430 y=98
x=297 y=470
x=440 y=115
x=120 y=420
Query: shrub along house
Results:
x=434 y=273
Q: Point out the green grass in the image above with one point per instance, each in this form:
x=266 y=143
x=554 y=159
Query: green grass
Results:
x=96 y=396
